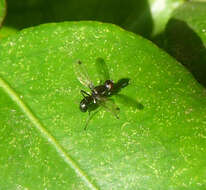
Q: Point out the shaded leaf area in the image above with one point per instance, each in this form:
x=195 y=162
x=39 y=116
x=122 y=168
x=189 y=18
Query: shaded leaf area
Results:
x=161 y=146
x=188 y=48
x=2 y=11
x=185 y=38
x=133 y=15
x=143 y=17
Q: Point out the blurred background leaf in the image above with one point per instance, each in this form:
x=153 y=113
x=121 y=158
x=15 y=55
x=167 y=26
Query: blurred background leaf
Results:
x=185 y=38
x=2 y=11
x=143 y=17
x=161 y=11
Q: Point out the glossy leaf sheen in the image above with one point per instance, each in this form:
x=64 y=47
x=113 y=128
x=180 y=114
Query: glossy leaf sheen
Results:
x=42 y=141
x=161 y=12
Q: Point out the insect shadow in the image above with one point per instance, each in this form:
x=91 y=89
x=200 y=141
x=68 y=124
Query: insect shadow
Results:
x=99 y=97
x=124 y=99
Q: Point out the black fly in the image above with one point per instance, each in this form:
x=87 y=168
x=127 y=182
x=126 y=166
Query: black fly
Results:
x=99 y=94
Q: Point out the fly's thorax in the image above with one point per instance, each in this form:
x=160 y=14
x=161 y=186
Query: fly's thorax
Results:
x=103 y=90
x=99 y=90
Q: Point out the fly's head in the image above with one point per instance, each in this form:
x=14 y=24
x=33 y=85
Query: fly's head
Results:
x=83 y=105
x=109 y=85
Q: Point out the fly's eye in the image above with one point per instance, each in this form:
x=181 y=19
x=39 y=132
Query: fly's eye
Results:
x=109 y=84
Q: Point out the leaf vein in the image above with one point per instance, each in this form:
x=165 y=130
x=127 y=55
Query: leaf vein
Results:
x=27 y=111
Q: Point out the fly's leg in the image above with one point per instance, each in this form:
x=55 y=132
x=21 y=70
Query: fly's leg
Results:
x=90 y=117
x=84 y=94
x=87 y=122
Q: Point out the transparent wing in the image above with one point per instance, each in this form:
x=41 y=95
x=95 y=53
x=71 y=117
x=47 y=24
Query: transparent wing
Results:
x=82 y=74
x=110 y=106
x=102 y=70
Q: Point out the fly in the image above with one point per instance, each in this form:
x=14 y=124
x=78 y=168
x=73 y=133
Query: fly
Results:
x=99 y=94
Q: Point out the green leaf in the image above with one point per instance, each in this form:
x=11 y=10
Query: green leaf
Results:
x=185 y=38
x=2 y=11
x=161 y=12
x=42 y=141
x=150 y=18
x=7 y=31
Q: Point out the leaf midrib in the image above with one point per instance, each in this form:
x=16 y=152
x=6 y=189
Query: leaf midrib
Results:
x=33 y=119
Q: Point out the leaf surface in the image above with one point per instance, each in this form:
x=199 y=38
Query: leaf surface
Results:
x=42 y=141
